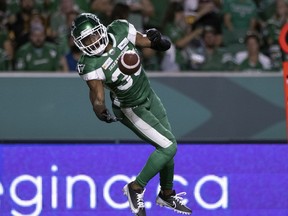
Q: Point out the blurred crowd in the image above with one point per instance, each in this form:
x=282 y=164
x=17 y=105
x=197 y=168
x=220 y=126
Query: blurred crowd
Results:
x=206 y=35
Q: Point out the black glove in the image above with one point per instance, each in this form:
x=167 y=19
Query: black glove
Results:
x=108 y=117
x=158 y=42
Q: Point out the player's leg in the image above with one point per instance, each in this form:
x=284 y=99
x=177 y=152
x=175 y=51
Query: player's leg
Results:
x=153 y=127
x=148 y=128
x=149 y=121
x=167 y=196
x=167 y=173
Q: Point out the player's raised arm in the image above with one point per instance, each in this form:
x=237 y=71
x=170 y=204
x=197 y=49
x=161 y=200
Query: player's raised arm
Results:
x=153 y=39
x=97 y=98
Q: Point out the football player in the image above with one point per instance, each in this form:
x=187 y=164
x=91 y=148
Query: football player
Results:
x=134 y=102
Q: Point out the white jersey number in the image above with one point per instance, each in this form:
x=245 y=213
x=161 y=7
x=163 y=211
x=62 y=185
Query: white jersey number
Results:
x=128 y=81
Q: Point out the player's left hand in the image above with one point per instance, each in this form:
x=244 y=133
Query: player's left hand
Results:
x=153 y=35
x=158 y=42
x=108 y=117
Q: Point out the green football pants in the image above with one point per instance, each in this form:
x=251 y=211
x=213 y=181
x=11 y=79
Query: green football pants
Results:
x=149 y=121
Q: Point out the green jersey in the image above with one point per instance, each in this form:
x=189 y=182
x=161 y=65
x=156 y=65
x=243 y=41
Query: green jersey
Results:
x=242 y=11
x=30 y=58
x=127 y=90
x=244 y=64
x=218 y=60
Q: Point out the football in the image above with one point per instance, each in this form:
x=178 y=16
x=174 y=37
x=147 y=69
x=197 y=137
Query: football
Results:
x=129 y=62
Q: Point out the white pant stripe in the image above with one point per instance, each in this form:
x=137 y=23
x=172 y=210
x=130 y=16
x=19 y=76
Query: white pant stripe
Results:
x=146 y=129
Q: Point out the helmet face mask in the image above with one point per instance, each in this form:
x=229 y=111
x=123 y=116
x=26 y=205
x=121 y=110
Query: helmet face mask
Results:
x=89 y=35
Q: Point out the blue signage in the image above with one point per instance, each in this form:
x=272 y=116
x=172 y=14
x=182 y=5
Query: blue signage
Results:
x=87 y=179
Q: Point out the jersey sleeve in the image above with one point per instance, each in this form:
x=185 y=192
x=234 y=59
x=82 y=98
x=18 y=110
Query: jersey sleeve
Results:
x=123 y=27
x=89 y=71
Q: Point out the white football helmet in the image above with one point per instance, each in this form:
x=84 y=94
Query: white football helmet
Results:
x=89 y=34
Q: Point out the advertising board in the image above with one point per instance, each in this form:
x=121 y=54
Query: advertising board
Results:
x=87 y=179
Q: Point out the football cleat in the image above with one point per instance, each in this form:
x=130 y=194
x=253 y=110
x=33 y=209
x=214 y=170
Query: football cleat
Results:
x=135 y=198
x=174 y=202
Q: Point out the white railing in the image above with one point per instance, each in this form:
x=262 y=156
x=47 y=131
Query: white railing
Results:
x=150 y=74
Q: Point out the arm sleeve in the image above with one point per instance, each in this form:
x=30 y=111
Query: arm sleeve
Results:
x=89 y=71
x=123 y=27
